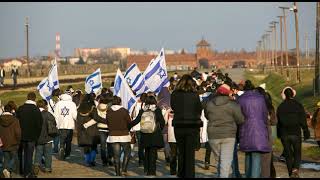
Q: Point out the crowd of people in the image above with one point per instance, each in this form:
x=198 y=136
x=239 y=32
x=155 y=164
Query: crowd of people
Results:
x=197 y=110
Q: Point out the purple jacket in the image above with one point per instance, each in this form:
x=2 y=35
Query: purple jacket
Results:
x=254 y=131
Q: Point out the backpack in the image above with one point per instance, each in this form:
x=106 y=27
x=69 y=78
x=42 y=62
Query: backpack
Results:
x=52 y=128
x=148 y=122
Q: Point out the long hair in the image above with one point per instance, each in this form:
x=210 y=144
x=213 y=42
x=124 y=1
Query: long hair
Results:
x=186 y=84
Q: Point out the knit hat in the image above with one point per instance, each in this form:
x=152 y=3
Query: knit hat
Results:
x=318 y=104
x=284 y=96
x=224 y=89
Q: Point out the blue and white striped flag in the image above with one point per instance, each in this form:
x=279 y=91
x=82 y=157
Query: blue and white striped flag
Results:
x=135 y=79
x=93 y=82
x=48 y=84
x=156 y=76
x=122 y=90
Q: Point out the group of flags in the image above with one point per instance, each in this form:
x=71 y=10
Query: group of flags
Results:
x=128 y=86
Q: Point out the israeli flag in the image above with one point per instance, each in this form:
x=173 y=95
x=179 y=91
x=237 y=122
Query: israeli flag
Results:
x=93 y=83
x=48 y=84
x=122 y=90
x=156 y=76
x=135 y=79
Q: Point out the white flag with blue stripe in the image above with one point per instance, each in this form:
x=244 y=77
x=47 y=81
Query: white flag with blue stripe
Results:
x=156 y=76
x=93 y=83
x=122 y=90
x=48 y=84
x=135 y=79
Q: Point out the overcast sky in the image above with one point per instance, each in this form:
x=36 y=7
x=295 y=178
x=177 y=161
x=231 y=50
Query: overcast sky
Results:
x=140 y=25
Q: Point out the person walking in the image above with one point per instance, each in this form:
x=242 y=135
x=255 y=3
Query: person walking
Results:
x=14 y=75
x=223 y=116
x=65 y=113
x=267 y=167
x=137 y=129
x=10 y=136
x=172 y=142
x=315 y=123
x=106 y=152
x=51 y=105
x=2 y=76
x=153 y=140
x=186 y=106
x=291 y=119
x=30 y=120
x=44 y=143
x=87 y=136
x=254 y=136
x=118 y=120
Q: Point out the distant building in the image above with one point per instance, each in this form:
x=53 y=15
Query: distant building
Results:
x=204 y=57
x=10 y=62
x=123 y=51
x=86 y=52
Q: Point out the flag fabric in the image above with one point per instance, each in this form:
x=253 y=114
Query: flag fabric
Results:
x=122 y=90
x=50 y=83
x=156 y=76
x=135 y=79
x=93 y=83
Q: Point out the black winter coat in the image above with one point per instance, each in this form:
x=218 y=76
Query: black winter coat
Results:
x=187 y=110
x=153 y=139
x=30 y=119
x=89 y=136
x=291 y=119
x=44 y=137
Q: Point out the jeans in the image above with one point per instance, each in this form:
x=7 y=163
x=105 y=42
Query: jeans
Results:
x=173 y=158
x=10 y=161
x=14 y=81
x=103 y=146
x=1 y=160
x=116 y=156
x=140 y=147
x=27 y=149
x=208 y=153
x=90 y=153
x=1 y=81
x=65 y=140
x=223 y=154
x=46 y=151
x=235 y=163
x=292 y=148
x=166 y=147
x=56 y=141
x=253 y=164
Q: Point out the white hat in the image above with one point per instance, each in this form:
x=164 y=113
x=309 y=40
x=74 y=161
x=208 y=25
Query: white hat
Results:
x=263 y=86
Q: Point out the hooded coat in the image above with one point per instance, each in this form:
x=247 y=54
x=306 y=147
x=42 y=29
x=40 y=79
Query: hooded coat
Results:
x=65 y=112
x=223 y=115
x=254 y=136
x=10 y=132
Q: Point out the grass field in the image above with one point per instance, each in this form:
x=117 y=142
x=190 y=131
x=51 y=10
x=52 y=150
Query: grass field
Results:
x=275 y=82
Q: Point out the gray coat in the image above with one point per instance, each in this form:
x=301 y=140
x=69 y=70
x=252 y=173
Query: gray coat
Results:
x=223 y=115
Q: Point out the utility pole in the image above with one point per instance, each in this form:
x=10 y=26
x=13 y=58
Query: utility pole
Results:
x=316 y=72
x=285 y=40
x=281 y=51
x=264 y=52
x=272 y=45
x=269 y=47
x=27 y=44
x=307 y=50
x=295 y=10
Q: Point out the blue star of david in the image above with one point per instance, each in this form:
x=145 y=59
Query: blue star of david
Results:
x=65 y=111
x=91 y=82
x=128 y=80
x=161 y=73
x=50 y=89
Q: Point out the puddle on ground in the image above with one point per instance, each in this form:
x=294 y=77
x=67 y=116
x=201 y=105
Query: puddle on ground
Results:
x=313 y=166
